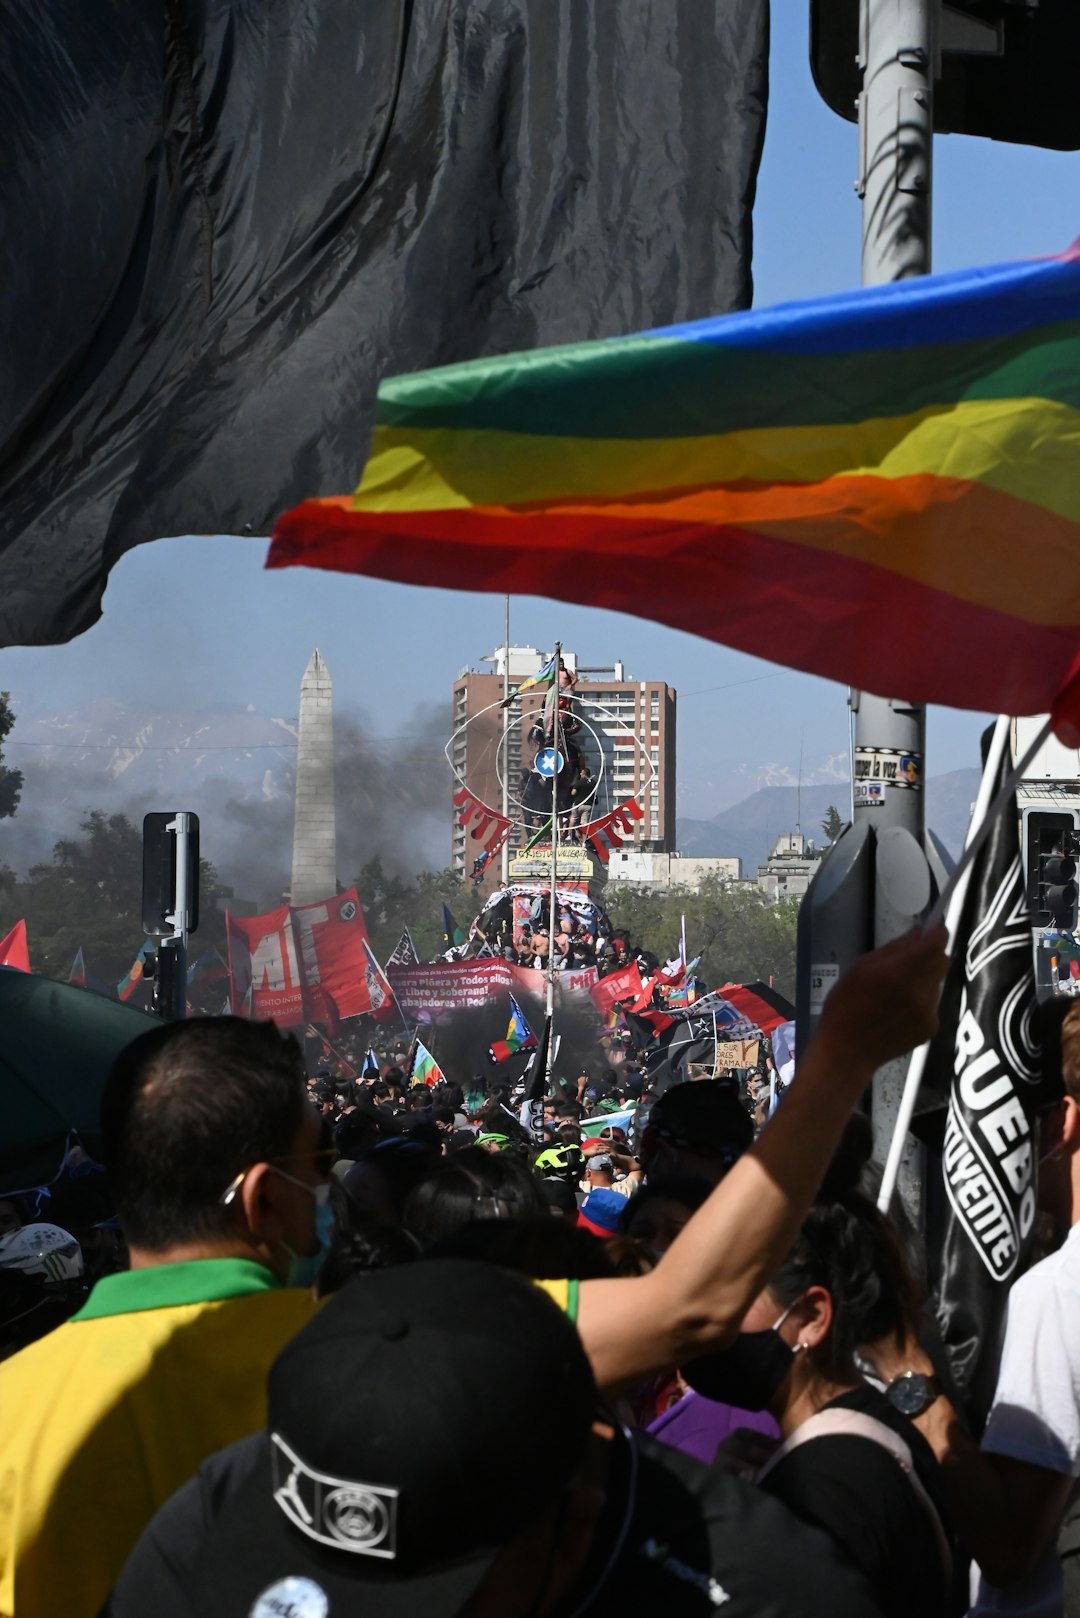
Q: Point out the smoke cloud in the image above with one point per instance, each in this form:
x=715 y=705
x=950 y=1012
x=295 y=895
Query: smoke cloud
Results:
x=393 y=793
x=392 y=799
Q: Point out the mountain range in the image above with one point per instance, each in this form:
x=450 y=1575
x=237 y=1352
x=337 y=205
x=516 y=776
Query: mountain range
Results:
x=234 y=766
x=750 y=827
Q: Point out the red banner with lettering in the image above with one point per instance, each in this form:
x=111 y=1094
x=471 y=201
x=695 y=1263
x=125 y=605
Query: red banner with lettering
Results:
x=301 y=963
x=432 y=993
x=624 y=984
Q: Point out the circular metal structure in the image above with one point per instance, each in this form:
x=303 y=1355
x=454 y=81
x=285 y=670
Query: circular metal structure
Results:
x=587 y=740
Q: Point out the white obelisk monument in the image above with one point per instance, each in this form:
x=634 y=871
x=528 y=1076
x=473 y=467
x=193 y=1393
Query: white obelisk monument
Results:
x=314 y=860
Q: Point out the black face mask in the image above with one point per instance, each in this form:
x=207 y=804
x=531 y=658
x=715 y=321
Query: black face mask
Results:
x=749 y=1373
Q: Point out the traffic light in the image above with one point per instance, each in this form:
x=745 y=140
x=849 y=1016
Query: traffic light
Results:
x=1008 y=69
x=1050 y=845
x=168 y=839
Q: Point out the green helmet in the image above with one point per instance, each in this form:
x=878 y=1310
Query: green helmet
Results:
x=561 y=1163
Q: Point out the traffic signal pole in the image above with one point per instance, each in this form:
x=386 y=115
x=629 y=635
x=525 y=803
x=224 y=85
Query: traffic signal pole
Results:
x=876 y=882
x=897 y=48
x=898 y=51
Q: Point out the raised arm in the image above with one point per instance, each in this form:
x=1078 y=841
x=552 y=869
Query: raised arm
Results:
x=702 y=1287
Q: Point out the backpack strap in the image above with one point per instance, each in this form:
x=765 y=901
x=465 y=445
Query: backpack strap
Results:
x=838 y=1422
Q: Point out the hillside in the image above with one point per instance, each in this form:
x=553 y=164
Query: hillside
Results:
x=749 y=828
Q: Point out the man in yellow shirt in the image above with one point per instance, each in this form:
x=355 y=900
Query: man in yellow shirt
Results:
x=221 y=1180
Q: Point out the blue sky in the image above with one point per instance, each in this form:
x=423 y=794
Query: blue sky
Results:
x=193 y=622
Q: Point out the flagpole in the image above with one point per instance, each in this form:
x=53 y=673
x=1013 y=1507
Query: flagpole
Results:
x=556 y=740
x=506 y=742
x=344 y=1060
x=952 y=902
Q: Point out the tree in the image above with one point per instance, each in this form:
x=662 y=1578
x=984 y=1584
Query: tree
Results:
x=833 y=824
x=391 y=904
x=11 y=781
x=739 y=937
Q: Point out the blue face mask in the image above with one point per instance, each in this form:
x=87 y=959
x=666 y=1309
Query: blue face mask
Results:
x=304 y=1268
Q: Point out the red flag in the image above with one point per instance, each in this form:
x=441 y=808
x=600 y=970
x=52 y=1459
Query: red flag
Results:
x=14 y=950
x=625 y=984
x=301 y=962
x=758 y=1004
x=657 y=1020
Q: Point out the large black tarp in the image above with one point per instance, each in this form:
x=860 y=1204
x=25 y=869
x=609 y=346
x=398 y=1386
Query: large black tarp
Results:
x=223 y=220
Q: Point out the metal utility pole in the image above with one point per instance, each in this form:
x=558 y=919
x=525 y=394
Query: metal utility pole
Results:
x=877 y=880
x=898 y=47
x=556 y=747
x=506 y=744
x=1003 y=69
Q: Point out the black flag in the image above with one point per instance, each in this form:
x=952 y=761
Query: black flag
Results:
x=532 y=1108
x=223 y=223
x=986 y=1060
x=404 y=953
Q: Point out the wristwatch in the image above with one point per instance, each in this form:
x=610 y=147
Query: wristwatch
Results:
x=912 y=1392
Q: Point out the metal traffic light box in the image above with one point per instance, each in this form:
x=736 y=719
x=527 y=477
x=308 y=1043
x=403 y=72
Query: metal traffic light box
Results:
x=1007 y=70
x=170 y=886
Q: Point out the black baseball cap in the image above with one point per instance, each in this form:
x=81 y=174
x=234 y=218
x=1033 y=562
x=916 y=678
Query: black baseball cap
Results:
x=704 y=1116
x=382 y=1484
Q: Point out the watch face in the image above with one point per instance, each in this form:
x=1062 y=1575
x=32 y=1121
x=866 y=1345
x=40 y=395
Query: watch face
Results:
x=910 y=1393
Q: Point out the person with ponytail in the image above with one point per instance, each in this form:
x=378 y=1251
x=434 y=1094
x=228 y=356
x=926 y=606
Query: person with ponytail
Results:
x=848 y=1462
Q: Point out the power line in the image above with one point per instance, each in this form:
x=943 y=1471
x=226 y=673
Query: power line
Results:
x=160 y=747
x=754 y=679
x=189 y=747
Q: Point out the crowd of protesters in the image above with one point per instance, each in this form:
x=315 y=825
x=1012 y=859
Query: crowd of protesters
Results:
x=581 y=939
x=313 y=1347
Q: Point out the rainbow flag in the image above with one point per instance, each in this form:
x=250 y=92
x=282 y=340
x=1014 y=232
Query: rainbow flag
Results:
x=882 y=487
x=425 y=1069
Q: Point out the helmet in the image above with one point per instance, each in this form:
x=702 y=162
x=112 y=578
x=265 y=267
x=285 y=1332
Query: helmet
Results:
x=561 y=1163
x=43 y=1250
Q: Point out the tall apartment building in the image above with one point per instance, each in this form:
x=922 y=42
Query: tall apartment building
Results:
x=628 y=724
